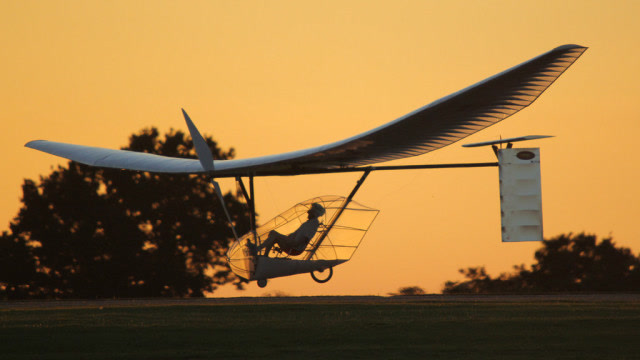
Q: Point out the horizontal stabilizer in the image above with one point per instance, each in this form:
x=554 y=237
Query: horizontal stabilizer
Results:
x=509 y=140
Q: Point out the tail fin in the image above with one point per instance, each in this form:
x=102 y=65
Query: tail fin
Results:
x=520 y=194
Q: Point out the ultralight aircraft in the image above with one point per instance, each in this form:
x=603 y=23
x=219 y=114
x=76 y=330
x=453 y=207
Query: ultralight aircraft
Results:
x=344 y=222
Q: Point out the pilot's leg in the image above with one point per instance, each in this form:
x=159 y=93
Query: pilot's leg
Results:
x=274 y=237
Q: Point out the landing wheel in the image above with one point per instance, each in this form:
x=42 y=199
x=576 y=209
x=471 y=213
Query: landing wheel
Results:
x=324 y=275
x=262 y=283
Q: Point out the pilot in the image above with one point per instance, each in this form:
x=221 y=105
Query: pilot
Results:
x=296 y=242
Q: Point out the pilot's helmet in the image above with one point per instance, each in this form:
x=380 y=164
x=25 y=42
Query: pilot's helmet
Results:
x=316 y=209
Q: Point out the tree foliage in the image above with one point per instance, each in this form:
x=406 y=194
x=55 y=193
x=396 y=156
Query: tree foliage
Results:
x=566 y=263
x=409 y=291
x=86 y=232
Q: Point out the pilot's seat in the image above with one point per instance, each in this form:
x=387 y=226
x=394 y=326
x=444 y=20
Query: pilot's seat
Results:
x=288 y=251
x=295 y=251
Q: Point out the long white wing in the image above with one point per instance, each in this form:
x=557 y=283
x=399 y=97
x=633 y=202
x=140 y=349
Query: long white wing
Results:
x=429 y=128
x=119 y=159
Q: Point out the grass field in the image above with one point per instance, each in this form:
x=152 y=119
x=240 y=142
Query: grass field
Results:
x=354 y=329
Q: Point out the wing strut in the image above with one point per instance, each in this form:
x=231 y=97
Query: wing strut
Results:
x=337 y=216
x=224 y=206
x=249 y=198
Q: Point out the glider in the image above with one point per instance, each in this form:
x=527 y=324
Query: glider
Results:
x=426 y=129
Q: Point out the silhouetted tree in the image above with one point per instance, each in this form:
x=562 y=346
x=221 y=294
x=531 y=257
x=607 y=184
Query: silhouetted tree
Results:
x=86 y=232
x=566 y=263
x=17 y=266
x=409 y=291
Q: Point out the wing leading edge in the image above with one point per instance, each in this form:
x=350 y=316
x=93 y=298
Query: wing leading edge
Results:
x=429 y=128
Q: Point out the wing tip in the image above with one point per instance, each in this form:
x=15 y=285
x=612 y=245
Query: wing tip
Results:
x=32 y=144
x=568 y=47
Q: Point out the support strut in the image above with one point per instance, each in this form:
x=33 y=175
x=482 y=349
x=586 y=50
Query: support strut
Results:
x=337 y=215
x=216 y=186
x=249 y=198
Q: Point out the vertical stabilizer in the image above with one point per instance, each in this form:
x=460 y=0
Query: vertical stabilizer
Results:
x=520 y=194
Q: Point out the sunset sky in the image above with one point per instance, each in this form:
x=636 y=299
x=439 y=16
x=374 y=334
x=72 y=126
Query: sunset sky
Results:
x=267 y=77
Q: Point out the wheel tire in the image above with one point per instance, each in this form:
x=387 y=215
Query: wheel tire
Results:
x=262 y=283
x=320 y=280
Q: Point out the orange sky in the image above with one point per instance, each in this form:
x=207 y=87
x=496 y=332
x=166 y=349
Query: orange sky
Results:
x=273 y=76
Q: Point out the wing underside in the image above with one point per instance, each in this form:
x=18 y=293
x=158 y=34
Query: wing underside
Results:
x=429 y=128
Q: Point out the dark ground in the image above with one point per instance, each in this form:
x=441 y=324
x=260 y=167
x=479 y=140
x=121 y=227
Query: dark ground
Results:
x=603 y=326
x=432 y=298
